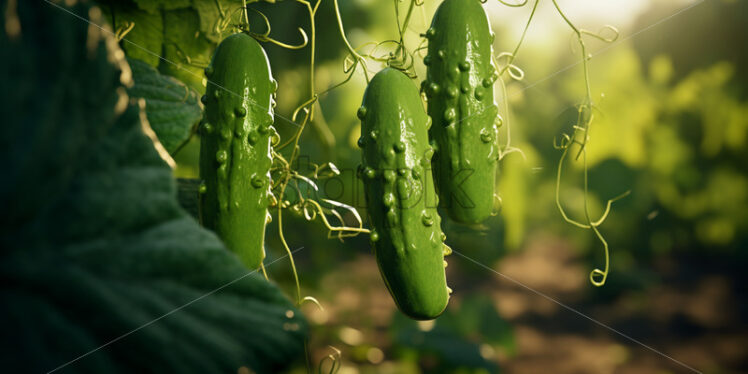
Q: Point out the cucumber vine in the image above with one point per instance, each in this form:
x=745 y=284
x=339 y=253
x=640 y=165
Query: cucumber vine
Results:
x=581 y=130
x=288 y=183
x=580 y=134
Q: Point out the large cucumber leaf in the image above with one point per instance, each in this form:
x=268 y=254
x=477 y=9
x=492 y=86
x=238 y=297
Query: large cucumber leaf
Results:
x=172 y=108
x=145 y=39
x=153 y=6
x=178 y=37
x=101 y=270
x=186 y=50
x=218 y=17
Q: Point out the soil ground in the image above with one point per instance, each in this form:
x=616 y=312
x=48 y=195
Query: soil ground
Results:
x=695 y=314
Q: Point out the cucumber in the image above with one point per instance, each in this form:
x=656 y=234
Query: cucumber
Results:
x=459 y=90
x=235 y=149
x=396 y=171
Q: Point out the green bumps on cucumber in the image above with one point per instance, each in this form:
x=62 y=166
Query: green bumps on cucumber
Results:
x=459 y=89
x=235 y=149
x=407 y=238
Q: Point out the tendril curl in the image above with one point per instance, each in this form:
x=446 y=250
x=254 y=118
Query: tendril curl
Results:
x=579 y=137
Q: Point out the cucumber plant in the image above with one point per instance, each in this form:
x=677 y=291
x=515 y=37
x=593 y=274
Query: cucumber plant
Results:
x=407 y=237
x=459 y=89
x=240 y=149
x=235 y=150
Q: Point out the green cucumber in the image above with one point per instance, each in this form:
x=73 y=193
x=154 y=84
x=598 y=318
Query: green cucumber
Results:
x=235 y=149
x=401 y=200
x=459 y=90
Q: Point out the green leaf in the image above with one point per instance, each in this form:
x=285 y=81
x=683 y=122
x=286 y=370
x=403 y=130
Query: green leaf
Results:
x=186 y=50
x=153 y=6
x=172 y=108
x=95 y=249
x=217 y=17
x=145 y=40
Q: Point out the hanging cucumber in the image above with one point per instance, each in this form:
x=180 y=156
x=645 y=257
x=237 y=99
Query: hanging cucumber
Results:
x=396 y=171
x=459 y=88
x=235 y=149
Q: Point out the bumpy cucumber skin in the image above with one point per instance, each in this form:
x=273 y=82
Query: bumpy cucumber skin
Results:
x=235 y=149
x=459 y=89
x=407 y=237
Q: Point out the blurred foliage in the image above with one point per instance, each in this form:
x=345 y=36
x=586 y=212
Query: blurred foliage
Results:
x=463 y=340
x=679 y=145
x=715 y=32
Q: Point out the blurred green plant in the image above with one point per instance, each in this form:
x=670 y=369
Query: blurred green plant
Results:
x=678 y=145
x=172 y=108
x=463 y=340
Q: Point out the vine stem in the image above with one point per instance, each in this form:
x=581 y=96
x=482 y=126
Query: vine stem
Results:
x=308 y=108
x=401 y=28
x=309 y=113
x=351 y=50
x=581 y=128
x=584 y=119
x=522 y=38
x=508 y=149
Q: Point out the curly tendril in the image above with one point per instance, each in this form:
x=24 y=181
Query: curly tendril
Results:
x=334 y=359
x=358 y=59
x=504 y=62
x=580 y=130
x=123 y=30
x=265 y=36
x=398 y=57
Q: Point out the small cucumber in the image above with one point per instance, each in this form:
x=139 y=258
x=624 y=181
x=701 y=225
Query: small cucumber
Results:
x=396 y=171
x=235 y=149
x=459 y=89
